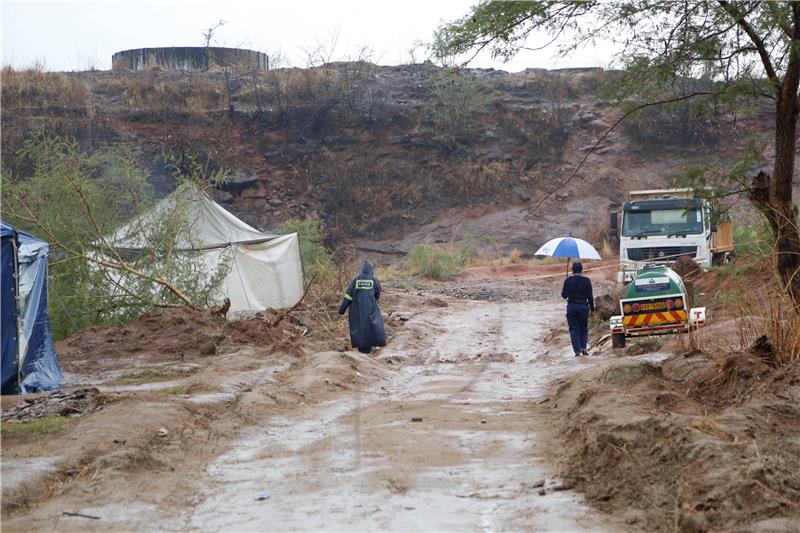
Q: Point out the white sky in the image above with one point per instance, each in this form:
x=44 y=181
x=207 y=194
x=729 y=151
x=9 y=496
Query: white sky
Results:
x=77 y=35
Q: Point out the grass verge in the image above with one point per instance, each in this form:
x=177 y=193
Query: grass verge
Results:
x=49 y=424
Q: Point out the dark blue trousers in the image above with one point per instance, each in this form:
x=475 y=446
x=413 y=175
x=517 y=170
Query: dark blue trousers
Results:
x=578 y=321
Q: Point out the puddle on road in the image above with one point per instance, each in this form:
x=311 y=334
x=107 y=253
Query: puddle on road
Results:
x=362 y=463
x=17 y=472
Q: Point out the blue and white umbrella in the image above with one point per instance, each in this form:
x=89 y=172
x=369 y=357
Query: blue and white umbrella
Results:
x=568 y=247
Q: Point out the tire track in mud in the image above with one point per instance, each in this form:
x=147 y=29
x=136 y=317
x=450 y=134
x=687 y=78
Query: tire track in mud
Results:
x=447 y=442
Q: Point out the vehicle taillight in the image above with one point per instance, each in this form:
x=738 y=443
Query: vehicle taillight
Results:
x=635 y=308
x=670 y=304
x=627 y=308
x=678 y=303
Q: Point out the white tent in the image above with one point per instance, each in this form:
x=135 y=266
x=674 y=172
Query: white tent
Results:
x=265 y=271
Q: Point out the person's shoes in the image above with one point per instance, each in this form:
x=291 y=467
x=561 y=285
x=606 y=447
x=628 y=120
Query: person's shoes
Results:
x=577 y=354
x=585 y=352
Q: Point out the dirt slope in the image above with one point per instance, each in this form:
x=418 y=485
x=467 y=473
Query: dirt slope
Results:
x=639 y=447
x=387 y=156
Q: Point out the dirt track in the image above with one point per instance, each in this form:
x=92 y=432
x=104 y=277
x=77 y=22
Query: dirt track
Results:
x=363 y=462
x=476 y=416
x=440 y=431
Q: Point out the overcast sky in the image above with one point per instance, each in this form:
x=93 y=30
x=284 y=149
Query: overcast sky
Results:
x=77 y=35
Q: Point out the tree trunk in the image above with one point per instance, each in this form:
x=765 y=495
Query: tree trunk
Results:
x=782 y=218
x=773 y=195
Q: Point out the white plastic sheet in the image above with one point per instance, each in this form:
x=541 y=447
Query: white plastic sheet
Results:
x=265 y=271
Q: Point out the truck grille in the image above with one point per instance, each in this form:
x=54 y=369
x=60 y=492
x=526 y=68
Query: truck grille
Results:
x=661 y=253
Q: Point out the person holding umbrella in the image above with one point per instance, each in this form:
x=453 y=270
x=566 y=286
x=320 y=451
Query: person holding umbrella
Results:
x=577 y=289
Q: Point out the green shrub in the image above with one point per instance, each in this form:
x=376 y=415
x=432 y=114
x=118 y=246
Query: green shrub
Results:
x=435 y=262
x=459 y=100
x=316 y=258
x=76 y=199
x=466 y=254
x=596 y=321
x=753 y=240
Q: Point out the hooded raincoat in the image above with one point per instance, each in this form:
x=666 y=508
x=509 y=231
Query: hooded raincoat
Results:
x=366 y=322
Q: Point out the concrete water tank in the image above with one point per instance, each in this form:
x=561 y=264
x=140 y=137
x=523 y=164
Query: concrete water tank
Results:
x=190 y=58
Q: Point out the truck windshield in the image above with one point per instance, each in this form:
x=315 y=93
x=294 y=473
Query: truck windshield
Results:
x=662 y=222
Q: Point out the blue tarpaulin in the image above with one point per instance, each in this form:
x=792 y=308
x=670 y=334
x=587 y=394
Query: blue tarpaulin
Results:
x=29 y=362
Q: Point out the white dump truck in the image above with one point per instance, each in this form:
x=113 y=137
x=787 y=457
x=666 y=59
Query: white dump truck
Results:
x=658 y=226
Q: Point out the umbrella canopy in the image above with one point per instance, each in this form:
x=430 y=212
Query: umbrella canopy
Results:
x=569 y=247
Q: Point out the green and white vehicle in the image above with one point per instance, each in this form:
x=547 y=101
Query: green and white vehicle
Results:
x=656 y=303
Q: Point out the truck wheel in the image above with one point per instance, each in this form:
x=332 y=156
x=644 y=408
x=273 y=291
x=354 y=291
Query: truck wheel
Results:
x=617 y=340
x=721 y=259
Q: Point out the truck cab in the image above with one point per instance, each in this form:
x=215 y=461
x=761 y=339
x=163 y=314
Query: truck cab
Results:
x=658 y=226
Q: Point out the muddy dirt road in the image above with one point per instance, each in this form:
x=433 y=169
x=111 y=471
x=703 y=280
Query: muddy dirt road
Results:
x=439 y=431
x=447 y=442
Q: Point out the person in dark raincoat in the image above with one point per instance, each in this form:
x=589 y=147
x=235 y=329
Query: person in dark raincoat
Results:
x=577 y=292
x=366 y=322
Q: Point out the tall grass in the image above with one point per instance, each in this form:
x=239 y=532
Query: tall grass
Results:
x=154 y=93
x=770 y=314
x=766 y=323
x=48 y=424
x=435 y=262
x=753 y=240
x=776 y=333
x=598 y=234
x=35 y=88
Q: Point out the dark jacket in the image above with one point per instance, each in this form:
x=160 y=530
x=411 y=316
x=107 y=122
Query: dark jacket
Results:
x=366 y=322
x=578 y=290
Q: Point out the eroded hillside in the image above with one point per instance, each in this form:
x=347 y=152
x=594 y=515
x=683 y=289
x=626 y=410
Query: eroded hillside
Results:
x=386 y=156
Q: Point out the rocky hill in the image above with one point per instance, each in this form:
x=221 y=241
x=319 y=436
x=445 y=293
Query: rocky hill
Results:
x=386 y=156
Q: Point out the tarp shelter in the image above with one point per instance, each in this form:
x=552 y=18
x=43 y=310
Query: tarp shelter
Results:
x=265 y=271
x=29 y=362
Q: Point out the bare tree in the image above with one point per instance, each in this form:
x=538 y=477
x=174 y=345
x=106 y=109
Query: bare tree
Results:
x=208 y=33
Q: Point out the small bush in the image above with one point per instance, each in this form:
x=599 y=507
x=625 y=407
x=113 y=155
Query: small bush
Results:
x=435 y=262
x=467 y=254
x=597 y=321
x=316 y=258
x=460 y=99
x=515 y=256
